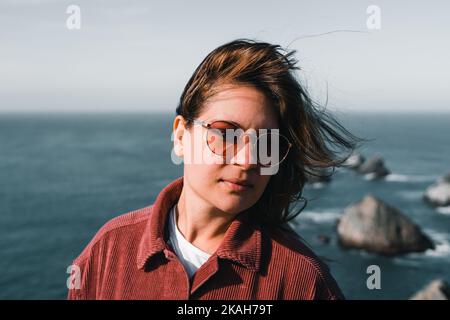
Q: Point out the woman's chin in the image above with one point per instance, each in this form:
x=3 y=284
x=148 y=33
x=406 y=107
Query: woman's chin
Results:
x=231 y=206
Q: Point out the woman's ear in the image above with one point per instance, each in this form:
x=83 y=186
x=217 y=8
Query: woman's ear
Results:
x=179 y=130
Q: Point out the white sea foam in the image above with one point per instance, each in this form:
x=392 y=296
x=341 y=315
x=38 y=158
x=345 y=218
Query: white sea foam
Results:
x=441 y=242
x=320 y=216
x=395 y=177
x=444 y=210
x=441 y=250
x=369 y=176
x=318 y=185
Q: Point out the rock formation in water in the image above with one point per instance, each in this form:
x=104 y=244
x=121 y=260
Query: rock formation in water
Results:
x=435 y=290
x=377 y=227
x=374 y=167
x=354 y=161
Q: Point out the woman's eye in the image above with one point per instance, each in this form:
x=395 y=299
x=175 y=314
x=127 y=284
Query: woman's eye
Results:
x=221 y=133
x=222 y=125
x=223 y=128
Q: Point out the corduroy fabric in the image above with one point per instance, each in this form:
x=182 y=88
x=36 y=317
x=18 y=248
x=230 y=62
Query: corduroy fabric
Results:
x=129 y=258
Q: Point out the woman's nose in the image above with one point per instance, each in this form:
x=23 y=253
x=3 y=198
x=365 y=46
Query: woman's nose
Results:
x=245 y=153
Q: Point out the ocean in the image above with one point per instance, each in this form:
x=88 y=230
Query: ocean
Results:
x=62 y=176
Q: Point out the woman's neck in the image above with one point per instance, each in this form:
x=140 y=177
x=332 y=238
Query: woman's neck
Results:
x=200 y=223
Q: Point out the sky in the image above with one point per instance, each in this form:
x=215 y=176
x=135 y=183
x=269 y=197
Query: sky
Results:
x=138 y=55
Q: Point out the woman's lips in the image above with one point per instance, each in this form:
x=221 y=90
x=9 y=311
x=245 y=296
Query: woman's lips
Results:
x=241 y=186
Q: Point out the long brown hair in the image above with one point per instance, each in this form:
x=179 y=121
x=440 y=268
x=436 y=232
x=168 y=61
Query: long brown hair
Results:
x=318 y=138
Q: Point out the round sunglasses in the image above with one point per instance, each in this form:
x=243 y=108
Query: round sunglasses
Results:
x=225 y=138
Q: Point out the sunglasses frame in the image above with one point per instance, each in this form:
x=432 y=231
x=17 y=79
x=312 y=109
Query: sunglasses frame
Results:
x=207 y=125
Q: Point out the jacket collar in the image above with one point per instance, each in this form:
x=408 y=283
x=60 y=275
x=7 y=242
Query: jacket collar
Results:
x=242 y=241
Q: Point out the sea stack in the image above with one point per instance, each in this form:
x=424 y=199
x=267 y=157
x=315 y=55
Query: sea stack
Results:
x=435 y=290
x=374 y=167
x=354 y=161
x=377 y=227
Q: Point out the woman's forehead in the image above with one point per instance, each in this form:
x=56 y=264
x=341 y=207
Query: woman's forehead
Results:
x=245 y=106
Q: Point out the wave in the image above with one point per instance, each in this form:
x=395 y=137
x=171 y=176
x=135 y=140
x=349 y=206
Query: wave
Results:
x=321 y=216
x=317 y=185
x=444 y=210
x=395 y=177
x=369 y=176
x=441 y=250
x=442 y=244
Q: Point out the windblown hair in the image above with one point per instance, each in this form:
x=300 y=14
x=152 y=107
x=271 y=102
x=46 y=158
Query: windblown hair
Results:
x=318 y=138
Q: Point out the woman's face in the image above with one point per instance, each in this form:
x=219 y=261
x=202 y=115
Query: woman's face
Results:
x=212 y=179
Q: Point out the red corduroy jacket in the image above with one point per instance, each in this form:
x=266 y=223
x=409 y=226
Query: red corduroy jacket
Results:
x=129 y=258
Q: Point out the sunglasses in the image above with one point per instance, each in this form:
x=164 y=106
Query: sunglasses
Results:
x=225 y=138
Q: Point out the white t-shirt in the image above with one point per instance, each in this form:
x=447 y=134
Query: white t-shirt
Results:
x=190 y=256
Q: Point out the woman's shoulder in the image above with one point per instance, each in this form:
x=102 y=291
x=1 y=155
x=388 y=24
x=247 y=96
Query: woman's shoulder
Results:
x=118 y=229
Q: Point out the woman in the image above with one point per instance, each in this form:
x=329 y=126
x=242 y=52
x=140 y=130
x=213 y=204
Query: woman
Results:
x=220 y=231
